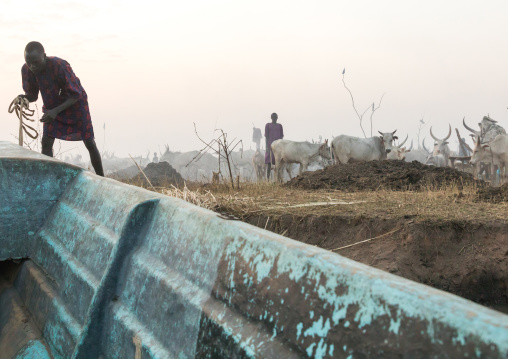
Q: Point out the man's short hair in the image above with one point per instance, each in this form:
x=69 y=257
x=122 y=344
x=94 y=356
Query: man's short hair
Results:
x=273 y=115
x=34 y=45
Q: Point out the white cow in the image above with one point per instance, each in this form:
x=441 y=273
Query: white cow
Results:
x=495 y=151
x=419 y=155
x=286 y=152
x=441 y=146
x=376 y=148
x=436 y=160
x=489 y=129
x=398 y=152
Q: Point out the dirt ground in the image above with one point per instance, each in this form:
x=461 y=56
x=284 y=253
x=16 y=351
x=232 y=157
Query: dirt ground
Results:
x=494 y=194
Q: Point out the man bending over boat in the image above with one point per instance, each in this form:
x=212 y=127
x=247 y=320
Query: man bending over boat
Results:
x=66 y=113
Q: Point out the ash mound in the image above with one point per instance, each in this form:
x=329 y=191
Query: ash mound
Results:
x=160 y=174
x=373 y=175
x=126 y=173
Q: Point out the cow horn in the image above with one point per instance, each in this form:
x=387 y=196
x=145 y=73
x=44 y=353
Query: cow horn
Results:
x=381 y=133
x=393 y=133
x=411 y=147
x=402 y=144
x=434 y=137
x=425 y=148
x=449 y=133
x=468 y=128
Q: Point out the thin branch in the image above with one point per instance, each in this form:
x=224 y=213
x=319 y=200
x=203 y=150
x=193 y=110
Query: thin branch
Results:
x=354 y=107
x=374 y=110
x=368 y=240
x=140 y=170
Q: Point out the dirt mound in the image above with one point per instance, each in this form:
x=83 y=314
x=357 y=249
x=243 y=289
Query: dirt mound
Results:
x=125 y=173
x=494 y=194
x=160 y=174
x=372 y=175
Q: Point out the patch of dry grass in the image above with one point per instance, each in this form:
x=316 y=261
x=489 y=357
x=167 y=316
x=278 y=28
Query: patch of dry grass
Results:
x=453 y=203
x=202 y=199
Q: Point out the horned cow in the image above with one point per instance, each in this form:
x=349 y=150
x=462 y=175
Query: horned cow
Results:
x=398 y=152
x=376 y=148
x=441 y=146
x=495 y=151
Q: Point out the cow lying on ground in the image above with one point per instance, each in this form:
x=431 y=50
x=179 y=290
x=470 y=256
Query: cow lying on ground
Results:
x=286 y=152
x=436 y=160
x=398 y=152
x=376 y=148
x=420 y=154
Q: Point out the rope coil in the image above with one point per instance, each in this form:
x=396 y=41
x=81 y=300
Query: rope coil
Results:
x=21 y=106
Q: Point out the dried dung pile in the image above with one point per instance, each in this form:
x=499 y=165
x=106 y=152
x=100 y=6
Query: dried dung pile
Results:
x=494 y=194
x=160 y=174
x=126 y=173
x=373 y=175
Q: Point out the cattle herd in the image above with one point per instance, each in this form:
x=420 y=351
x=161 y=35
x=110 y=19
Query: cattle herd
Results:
x=489 y=155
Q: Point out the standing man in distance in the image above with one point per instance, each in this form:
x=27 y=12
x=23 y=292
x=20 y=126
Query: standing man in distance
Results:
x=273 y=132
x=66 y=113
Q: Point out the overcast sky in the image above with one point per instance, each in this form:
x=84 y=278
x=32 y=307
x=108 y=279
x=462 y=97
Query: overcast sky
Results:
x=153 y=68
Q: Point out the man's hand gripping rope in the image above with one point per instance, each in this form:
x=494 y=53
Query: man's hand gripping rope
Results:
x=21 y=105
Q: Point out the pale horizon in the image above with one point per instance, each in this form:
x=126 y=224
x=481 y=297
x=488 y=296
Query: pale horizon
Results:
x=154 y=69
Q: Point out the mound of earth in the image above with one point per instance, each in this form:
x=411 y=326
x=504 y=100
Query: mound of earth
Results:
x=160 y=174
x=373 y=175
x=494 y=194
x=125 y=173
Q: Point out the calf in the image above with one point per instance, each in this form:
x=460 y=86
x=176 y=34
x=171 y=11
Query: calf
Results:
x=304 y=153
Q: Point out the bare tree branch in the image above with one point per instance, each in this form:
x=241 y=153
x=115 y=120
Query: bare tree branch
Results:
x=353 y=101
x=360 y=117
x=223 y=151
x=374 y=110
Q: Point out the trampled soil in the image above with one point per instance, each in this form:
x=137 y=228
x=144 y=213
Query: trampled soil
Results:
x=373 y=175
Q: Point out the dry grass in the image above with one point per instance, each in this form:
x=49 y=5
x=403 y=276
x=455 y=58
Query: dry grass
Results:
x=202 y=199
x=447 y=204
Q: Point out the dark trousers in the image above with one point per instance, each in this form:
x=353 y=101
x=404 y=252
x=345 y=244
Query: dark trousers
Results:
x=95 y=157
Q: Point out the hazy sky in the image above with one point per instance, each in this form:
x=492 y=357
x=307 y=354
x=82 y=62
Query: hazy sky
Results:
x=153 y=68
